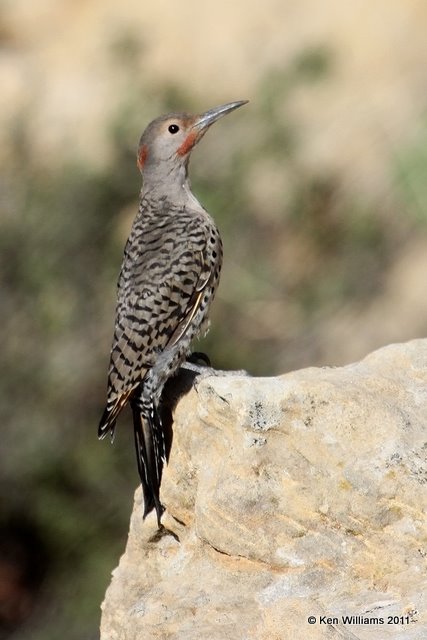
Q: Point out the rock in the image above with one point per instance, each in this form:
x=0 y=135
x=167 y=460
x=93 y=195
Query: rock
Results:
x=297 y=496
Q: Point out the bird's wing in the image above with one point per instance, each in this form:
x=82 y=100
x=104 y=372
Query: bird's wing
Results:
x=159 y=294
x=193 y=304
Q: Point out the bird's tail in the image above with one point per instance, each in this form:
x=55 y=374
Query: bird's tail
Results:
x=150 y=454
x=107 y=423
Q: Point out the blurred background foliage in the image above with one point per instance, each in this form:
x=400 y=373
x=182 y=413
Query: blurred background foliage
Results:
x=299 y=249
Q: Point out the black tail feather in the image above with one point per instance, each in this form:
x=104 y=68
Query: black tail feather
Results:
x=150 y=455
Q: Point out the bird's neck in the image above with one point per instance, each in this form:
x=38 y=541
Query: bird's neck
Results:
x=174 y=187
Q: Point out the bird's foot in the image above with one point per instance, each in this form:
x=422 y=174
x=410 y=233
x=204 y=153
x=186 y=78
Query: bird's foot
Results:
x=209 y=372
x=199 y=363
x=196 y=368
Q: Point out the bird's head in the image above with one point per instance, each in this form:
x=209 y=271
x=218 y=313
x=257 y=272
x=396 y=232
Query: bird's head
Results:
x=166 y=144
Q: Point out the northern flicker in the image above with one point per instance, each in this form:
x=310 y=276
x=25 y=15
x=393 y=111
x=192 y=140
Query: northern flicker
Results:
x=169 y=276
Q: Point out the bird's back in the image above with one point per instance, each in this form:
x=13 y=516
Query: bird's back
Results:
x=172 y=254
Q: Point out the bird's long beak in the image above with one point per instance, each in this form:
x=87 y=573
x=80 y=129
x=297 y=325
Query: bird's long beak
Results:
x=204 y=121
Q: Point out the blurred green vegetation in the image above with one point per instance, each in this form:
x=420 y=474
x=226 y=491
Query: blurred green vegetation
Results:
x=287 y=266
x=410 y=171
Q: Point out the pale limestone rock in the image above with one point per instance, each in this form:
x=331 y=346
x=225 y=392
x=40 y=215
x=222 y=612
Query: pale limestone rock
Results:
x=303 y=495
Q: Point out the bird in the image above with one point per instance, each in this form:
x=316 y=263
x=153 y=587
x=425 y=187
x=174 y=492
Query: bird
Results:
x=169 y=276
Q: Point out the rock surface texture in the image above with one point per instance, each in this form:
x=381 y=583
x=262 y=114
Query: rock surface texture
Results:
x=296 y=496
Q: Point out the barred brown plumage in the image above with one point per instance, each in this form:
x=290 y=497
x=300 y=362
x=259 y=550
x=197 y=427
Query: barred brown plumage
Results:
x=169 y=276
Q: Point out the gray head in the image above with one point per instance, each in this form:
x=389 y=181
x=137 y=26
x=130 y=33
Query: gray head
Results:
x=165 y=146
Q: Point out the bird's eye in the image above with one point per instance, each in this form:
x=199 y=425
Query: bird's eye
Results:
x=173 y=128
